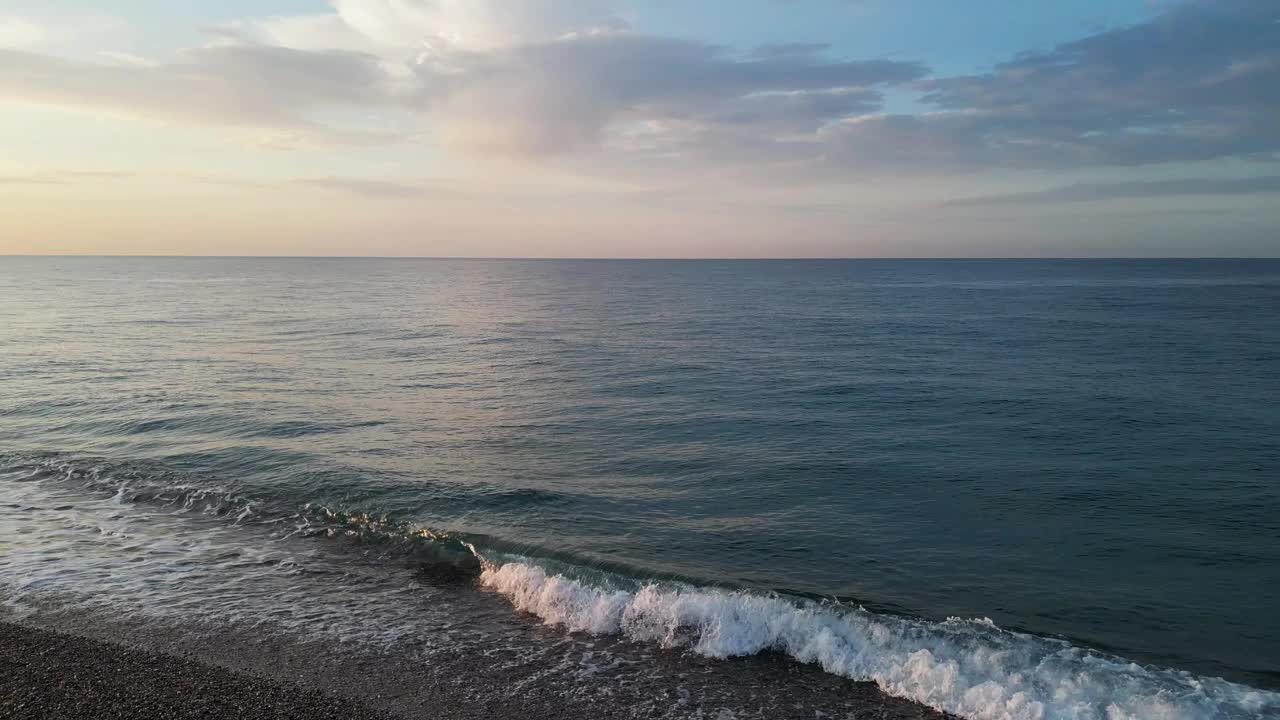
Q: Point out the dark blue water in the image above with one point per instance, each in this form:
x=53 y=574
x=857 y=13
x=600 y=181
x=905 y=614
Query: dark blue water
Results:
x=1085 y=450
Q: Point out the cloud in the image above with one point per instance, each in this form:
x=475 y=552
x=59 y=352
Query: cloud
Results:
x=554 y=78
x=19 y=32
x=368 y=188
x=46 y=27
x=1199 y=82
x=537 y=78
x=407 y=29
x=1089 y=192
x=362 y=187
x=241 y=86
x=561 y=96
x=477 y=23
x=531 y=99
x=29 y=180
x=63 y=177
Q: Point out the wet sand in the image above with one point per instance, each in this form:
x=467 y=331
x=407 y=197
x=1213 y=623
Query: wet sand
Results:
x=87 y=667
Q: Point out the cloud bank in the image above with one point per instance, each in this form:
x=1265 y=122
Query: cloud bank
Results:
x=539 y=79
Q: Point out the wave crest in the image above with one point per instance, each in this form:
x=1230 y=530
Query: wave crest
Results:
x=970 y=668
x=967 y=667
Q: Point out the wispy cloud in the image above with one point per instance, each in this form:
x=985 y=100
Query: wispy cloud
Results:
x=1091 y=192
x=63 y=177
x=29 y=180
x=237 y=86
x=363 y=187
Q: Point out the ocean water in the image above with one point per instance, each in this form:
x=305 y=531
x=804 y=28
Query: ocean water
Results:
x=1004 y=489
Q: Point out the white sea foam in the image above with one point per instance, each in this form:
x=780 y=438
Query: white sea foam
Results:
x=968 y=667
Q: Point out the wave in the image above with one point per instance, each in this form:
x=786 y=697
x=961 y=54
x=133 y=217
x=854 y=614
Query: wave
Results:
x=445 y=555
x=970 y=668
x=129 y=483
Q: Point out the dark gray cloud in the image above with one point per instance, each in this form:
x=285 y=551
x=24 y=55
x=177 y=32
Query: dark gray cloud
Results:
x=1199 y=82
x=1090 y=192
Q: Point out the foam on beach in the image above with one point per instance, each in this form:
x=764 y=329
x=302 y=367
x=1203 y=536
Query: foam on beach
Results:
x=156 y=546
x=968 y=667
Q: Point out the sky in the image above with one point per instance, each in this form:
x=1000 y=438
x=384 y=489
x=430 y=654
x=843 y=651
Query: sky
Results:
x=641 y=128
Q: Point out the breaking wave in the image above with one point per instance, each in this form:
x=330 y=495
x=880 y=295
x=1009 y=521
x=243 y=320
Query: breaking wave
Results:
x=970 y=668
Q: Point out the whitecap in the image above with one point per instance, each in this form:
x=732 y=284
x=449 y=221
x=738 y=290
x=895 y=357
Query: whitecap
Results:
x=970 y=668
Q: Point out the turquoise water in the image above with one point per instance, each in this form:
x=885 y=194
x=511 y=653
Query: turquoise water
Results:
x=1082 y=452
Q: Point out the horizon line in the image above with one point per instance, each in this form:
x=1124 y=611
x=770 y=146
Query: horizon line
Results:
x=549 y=258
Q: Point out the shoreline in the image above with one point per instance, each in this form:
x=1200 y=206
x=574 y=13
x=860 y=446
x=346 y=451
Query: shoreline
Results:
x=46 y=674
x=88 y=666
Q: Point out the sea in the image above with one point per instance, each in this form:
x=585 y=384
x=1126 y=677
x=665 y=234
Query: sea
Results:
x=1029 y=489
